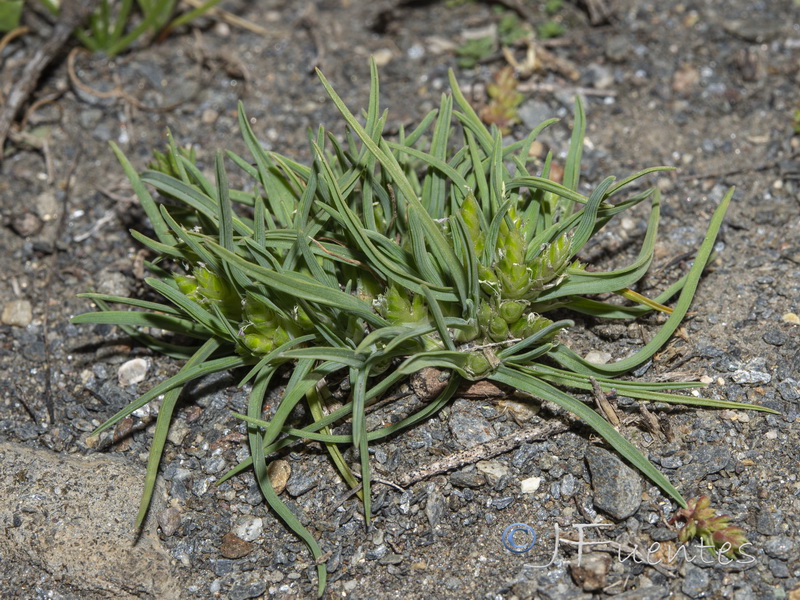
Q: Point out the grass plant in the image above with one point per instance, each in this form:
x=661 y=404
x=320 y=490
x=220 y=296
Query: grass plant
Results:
x=114 y=26
x=382 y=257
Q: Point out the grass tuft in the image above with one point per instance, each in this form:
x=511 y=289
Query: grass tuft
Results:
x=381 y=258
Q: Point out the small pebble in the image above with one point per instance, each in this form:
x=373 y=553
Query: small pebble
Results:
x=775 y=337
x=243 y=591
x=791 y=318
x=434 y=507
x=279 y=472
x=248 y=528
x=469 y=428
x=234 y=547
x=169 y=520
x=382 y=57
x=18 y=313
x=591 y=572
x=696 y=582
x=300 y=483
x=780 y=547
x=492 y=469
x=209 y=116
x=133 y=371
x=742 y=376
x=26 y=224
x=530 y=485
x=598 y=357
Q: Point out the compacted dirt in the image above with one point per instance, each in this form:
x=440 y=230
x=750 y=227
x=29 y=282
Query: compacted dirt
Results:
x=707 y=87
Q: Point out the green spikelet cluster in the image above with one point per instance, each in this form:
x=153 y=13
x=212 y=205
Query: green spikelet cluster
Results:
x=509 y=282
x=208 y=289
x=263 y=328
x=396 y=307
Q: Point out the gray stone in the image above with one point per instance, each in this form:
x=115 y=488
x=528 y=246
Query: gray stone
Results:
x=707 y=459
x=214 y=464
x=300 y=483
x=696 y=582
x=745 y=593
x=789 y=390
x=769 y=523
x=525 y=454
x=757 y=29
x=779 y=547
x=468 y=477
x=617 y=487
x=775 y=337
x=651 y=592
x=569 y=485
x=377 y=553
x=113 y=283
x=71 y=518
x=434 y=506
x=248 y=527
x=470 y=429
x=534 y=112
x=778 y=568
x=663 y=534
x=617 y=48
x=502 y=503
x=169 y=520
x=742 y=376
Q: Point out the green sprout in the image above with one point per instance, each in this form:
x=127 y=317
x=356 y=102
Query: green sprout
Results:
x=551 y=7
x=511 y=29
x=380 y=258
x=114 y=26
x=550 y=29
x=471 y=52
x=10 y=14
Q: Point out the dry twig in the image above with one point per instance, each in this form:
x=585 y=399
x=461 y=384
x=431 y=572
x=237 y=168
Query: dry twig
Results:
x=117 y=92
x=73 y=13
x=604 y=404
x=484 y=451
x=229 y=18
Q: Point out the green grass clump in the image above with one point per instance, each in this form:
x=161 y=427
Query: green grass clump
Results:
x=114 y=26
x=381 y=258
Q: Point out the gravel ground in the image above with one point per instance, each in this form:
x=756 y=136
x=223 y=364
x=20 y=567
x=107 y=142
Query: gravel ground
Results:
x=707 y=87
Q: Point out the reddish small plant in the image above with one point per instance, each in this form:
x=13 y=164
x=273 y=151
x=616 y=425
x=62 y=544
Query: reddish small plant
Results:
x=716 y=532
x=504 y=99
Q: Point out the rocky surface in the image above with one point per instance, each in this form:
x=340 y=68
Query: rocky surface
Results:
x=707 y=87
x=68 y=525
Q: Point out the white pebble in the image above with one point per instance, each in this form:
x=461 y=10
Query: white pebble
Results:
x=598 y=357
x=18 y=313
x=382 y=57
x=530 y=485
x=248 y=528
x=133 y=371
